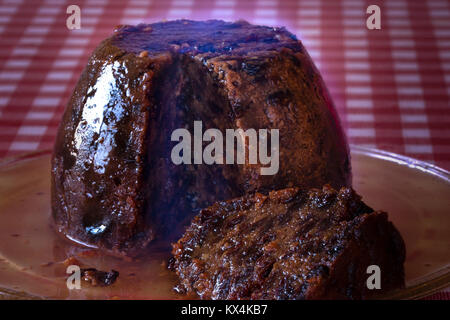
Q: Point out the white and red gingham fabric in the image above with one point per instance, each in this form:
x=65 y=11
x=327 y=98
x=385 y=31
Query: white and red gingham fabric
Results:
x=391 y=86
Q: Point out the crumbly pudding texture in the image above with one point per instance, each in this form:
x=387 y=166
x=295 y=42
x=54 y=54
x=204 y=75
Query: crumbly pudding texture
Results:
x=289 y=244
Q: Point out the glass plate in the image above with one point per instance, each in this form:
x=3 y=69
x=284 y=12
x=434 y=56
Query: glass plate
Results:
x=415 y=194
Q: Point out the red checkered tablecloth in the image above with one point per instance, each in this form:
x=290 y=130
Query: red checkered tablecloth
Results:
x=391 y=86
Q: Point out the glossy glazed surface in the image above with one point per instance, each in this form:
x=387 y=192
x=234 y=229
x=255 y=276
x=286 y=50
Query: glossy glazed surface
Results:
x=114 y=185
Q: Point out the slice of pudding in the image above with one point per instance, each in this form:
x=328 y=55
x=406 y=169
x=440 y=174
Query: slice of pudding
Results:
x=289 y=245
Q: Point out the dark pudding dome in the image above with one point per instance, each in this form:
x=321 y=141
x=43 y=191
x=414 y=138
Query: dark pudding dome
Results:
x=114 y=185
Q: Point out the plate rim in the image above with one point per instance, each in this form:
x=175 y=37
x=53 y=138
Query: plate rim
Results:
x=403 y=160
